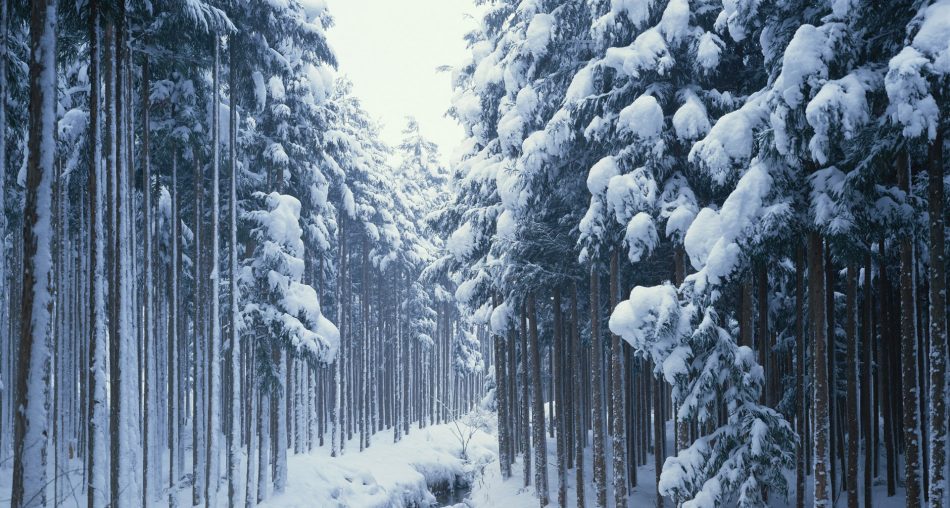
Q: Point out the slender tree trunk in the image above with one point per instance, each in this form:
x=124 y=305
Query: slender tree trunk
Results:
x=113 y=296
x=867 y=388
x=658 y=440
x=522 y=424
x=148 y=331
x=801 y=400
x=96 y=490
x=597 y=398
x=214 y=372
x=280 y=459
x=852 y=404
x=32 y=392
x=234 y=339
x=887 y=402
x=762 y=331
x=537 y=409
x=197 y=334
x=616 y=404
x=6 y=339
x=938 y=326
x=682 y=425
x=576 y=382
x=911 y=419
x=174 y=345
x=336 y=439
x=556 y=377
x=252 y=393
x=816 y=283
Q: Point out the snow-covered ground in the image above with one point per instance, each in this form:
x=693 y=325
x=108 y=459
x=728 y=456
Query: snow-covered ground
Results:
x=386 y=474
x=404 y=474
x=490 y=490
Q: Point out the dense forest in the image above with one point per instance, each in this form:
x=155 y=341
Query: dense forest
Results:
x=690 y=252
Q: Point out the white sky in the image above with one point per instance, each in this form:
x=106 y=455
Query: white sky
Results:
x=390 y=49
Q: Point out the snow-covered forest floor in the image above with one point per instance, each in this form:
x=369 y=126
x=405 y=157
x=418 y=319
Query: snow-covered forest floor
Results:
x=386 y=473
x=420 y=470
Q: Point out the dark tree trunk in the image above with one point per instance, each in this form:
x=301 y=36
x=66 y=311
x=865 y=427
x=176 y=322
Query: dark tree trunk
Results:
x=501 y=392
x=537 y=409
x=867 y=388
x=801 y=400
x=887 y=402
x=30 y=425
x=852 y=366
x=597 y=396
x=911 y=418
x=816 y=283
x=556 y=378
x=938 y=325
x=580 y=428
x=616 y=403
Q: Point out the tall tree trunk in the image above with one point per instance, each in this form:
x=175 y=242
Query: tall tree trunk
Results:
x=214 y=372
x=851 y=364
x=597 y=402
x=800 y=399
x=616 y=404
x=762 y=328
x=658 y=440
x=252 y=393
x=32 y=391
x=174 y=344
x=113 y=296
x=96 y=490
x=580 y=428
x=280 y=441
x=197 y=334
x=501 y=397
x=887 y=402
x=234 y=339
x=556 y=378
x=522 y=424
x=911 y=419
x=938 y=326
x=867 y=388
x=537 y=409
x=679 y=275
x=835 y=439
x=816 y=283
x=336 y=439
x=6 y=339
x=148 y=310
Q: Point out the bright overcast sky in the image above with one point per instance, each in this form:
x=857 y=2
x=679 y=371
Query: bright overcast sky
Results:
x=390 y=50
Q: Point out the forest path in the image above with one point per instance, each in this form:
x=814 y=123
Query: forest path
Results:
x=384 y=474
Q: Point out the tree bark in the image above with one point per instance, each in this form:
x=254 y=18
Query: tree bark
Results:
x=597 y=397
x=816 y=283
x=867 y=388
x=800 y=399
x=580 y=428
x=887 y=402
x=234 y=350
x=617 y=402
x=938 y=325
x=537 y=409
x=501 y=399
x=852 y=380
x=911 y=420
x=32 y=391
x=147 y=309
x=556 y=378
x=96 y=493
